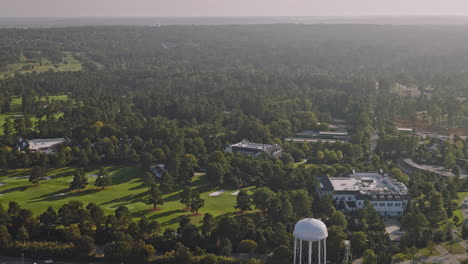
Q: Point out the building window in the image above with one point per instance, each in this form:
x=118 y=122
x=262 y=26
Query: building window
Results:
x=349 y=198
x=389 y=204
x=382 y=204
x=397 y=204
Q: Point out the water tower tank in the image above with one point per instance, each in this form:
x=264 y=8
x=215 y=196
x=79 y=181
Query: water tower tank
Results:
x=310 y=236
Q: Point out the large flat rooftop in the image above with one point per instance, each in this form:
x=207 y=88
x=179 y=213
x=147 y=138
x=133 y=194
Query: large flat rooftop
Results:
x=367 y=183
x=35 y=144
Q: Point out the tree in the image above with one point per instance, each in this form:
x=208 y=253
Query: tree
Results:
x=148 y=179
x=155 y=196
x=103 y=180
x=302 y=203
x=450 y=160
x=261 y=198
x=167 y=182
x=215 y=173
x=280 y=255
x=187 y=168
x=196 y=202
x=148 y=228
x=225 y=247
x=208 y=224
x=8 y=128
x=186 y=196
x=435 y=211
x=335 y=242
x=37 y=174
x=22 y=234
x=399 y=175
x=5 y=237
x=248 y=246
x=369 y=257
x=431 y=246
x=49 y=218
x=243 y=201
x=326 y=206
x=358 y=241
x=338 y=219
x=79 y=180
x=141 y=252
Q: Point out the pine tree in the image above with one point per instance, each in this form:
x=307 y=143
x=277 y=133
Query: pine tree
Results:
x=155 y=196
x=37 y=174
x=243 y=201
x=79 y=180
x=167 y=182
x=196 y=202
x=186 y=196
x=22 y=234
x=103 y=179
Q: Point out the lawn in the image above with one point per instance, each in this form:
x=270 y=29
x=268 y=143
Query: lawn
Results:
x=456 y=249
x=71 y=65
x=458 y=211
x=427 y=252
x=127 y=189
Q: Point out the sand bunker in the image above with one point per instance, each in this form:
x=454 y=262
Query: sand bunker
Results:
x=217 y=193
x=60 y=194
x=235 y=193
x=2 y=184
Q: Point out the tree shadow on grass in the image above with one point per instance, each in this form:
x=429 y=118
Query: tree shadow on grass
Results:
x=123 y=174
x=17 y=189
x=141 y=186
x=172 y=197
x=55 y=196
x=168 y=213
x=131 y=198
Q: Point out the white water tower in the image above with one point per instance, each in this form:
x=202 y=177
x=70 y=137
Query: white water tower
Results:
x=310 y=242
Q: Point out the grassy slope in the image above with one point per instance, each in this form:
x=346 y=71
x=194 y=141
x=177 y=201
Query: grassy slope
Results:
x=456 y=248
x=127 y=189
x=72 y=65
x=458 y=211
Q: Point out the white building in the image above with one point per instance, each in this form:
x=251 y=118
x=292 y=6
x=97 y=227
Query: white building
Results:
x=45 y=146
x=255 y=149
x=388 y=196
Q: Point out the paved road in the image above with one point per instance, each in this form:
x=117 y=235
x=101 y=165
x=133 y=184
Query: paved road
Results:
x=432 y=168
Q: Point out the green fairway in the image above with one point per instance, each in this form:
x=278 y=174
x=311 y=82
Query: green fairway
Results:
x=127 y=189
x=23 y=66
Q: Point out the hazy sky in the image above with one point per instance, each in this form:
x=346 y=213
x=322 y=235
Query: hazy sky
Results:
x=76 y=8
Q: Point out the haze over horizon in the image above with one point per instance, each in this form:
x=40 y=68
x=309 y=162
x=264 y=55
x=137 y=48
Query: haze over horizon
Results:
x=221 y=8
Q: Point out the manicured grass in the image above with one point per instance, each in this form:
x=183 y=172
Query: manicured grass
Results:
x=456 y=249
x=458 y=212
x=427 y=252
x=71 y=65
x=127 y=190
x=461 y=196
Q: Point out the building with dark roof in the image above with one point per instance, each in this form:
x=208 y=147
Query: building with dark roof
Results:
x=388 y=196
